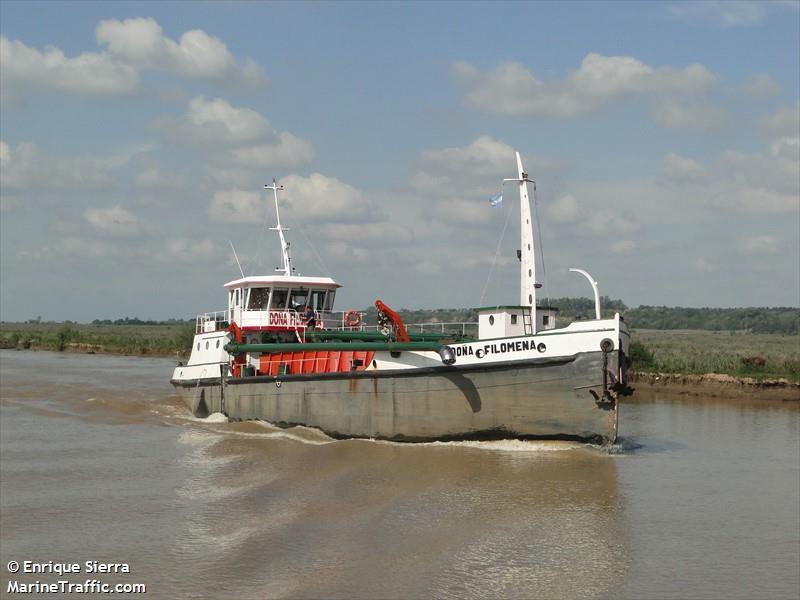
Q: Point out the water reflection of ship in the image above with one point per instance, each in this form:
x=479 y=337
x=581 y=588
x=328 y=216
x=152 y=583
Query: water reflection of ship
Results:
x=367 y=519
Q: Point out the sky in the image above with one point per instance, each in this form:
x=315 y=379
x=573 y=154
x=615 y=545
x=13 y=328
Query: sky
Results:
x=664 y=138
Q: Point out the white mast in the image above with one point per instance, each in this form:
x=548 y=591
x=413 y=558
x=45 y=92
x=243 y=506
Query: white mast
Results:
x=527 y=273
x=527 y=259
x=286 y=260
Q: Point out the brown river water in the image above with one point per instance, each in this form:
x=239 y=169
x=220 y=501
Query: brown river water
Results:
x=99 y=461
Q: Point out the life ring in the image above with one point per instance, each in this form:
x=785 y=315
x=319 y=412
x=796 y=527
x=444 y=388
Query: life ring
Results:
x=352 y=318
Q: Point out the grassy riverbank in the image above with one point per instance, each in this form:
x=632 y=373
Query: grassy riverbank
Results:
x=687 y=352
x=164 y=339
x=695 y=352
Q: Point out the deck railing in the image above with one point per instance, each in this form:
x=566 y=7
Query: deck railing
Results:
x=329 y=320
x=211 y=321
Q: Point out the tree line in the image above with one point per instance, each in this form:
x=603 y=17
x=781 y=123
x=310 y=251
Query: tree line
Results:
x=783 y=320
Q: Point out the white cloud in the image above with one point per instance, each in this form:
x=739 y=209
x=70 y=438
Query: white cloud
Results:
x=155 y=178
x=141 y=42
x=484 y=155
x=623 y=247
x=786 y=149
x=759 y=245
x=133 y=47
x=89 y=248
x=286 y=150
x=233 y=134
x=237 y=206
x=215 y=122
x=453 y=211
x=8 y=203
x=694 y=115
x=776 y=171
x=88 y=74
x=608 y=222
x=742 y=182
x=703 y=265
x=758 y=200
x=382 y=232
x=116 y=221
x=680 y=169
x=727 y=13
x=25 y=169
x=563 y=210
x=183 y=250
x=476 y=170
x=784 y=121
x=511 y=89
x=318 y=198
x=761 y=87
x=455 y=184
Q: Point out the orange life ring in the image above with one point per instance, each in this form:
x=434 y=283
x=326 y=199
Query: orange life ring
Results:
x=352 y=318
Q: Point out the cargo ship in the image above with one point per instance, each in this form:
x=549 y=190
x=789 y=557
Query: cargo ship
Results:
x=280 y=352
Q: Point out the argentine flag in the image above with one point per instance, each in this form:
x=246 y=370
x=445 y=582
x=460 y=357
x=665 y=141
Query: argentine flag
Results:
x=496 y=200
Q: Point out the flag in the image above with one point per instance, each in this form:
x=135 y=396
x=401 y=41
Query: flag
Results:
x=496 y=200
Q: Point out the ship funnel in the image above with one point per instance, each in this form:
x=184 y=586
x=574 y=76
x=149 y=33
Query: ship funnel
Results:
x=448 y=355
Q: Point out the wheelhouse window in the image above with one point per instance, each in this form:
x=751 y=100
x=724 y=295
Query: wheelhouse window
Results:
x=259 y=299
x=329 y=300
x=318 y=299
x=279 y=298
x=298 y=299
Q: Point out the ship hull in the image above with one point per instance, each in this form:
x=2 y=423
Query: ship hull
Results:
x=538 y=398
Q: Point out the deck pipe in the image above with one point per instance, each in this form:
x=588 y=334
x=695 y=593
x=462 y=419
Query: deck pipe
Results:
x=445 y=352
x=374 y=336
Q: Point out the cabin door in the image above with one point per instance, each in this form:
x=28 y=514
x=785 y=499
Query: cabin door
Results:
x=236 y=301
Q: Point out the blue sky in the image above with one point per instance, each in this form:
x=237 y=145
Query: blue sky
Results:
x=136 y=138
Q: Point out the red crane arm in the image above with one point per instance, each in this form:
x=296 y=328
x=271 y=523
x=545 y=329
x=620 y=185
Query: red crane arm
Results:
x=399 y=329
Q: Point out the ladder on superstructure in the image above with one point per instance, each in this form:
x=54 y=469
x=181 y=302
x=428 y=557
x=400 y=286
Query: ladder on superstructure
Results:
x=527 y=321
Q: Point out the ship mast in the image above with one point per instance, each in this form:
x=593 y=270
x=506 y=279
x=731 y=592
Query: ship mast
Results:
x=286 y=260
x=527 y=267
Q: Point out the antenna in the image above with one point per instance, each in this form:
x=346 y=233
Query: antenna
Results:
x=286 y=260
x=237 y=259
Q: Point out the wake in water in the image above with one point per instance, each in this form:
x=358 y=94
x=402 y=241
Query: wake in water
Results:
x=312 y=436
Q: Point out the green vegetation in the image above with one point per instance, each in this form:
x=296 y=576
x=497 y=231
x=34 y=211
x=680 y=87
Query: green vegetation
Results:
x=160 y=339
x=755 y=320
x=758 y=355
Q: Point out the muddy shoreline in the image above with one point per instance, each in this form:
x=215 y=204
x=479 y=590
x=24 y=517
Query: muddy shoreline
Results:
x=717 y=385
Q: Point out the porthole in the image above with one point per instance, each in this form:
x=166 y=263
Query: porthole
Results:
x=530 y=299
x=530 y=273
x=206 y=344
x=198 y=345
x=491 y=319
x=217 y=343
